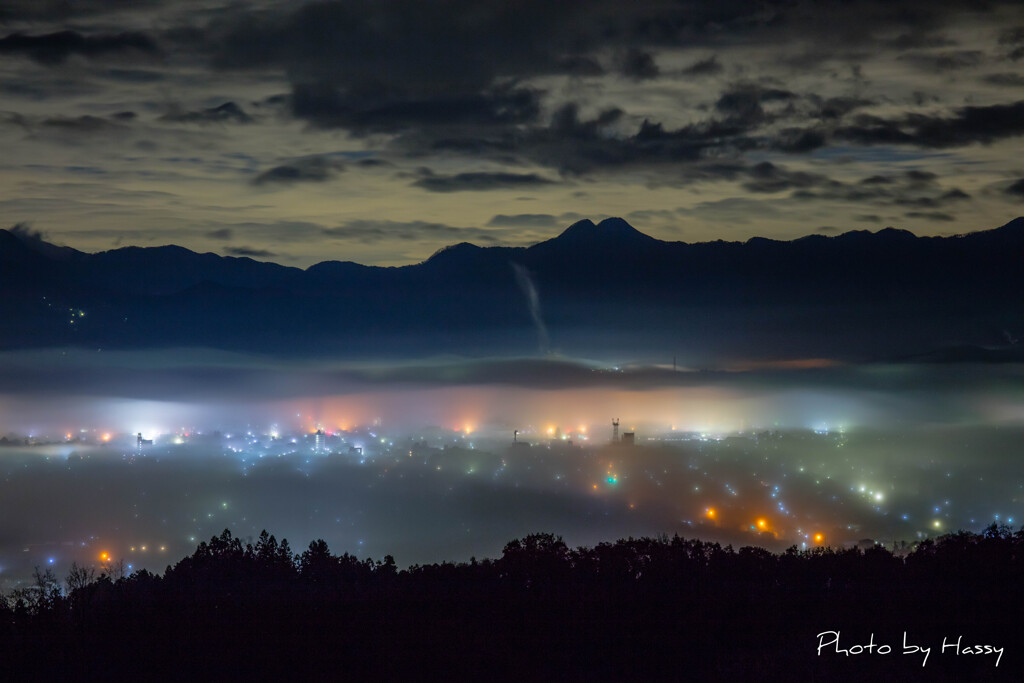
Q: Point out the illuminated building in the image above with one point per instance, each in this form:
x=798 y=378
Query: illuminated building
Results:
x=628 y=438
x=320 y=444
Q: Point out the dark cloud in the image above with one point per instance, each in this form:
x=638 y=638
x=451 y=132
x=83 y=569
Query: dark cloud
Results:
x=461 y=182
x=581 y=66
x=528 y=220
x=309 y=169
x=424 y=69
x=638 y=65
x=931 y=215
x=769 y=177
x=954 y=195
x=918 y=40
x=249 y=251
x=967 y=125
x=921 y=177
x=55 y=48
x=372 y=231
x=229 y=112
x=868 y=218
x=918 y=202
x=1016 y=189
x=913 y=188
x=705 y=67
x=368 y=66
x=134 y=75
x=468 y=80
x=402 y=46
x=744 y=103
x=577 y=147
x=799 y=141
x=82 y=124
x=945 y=61
x=329 y=107
x=454 y=76
x=1012 y=36
x=1005 y=80
x=276 y=231
x=836 y=107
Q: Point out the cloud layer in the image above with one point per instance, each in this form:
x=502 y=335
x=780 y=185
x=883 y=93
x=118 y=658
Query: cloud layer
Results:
x=473 y=113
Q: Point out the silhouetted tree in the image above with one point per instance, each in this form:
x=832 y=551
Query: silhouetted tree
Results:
x=79 y=577
x=42 y=594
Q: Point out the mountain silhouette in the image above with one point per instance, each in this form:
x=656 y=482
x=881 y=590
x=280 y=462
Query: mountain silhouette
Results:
x=603 y=289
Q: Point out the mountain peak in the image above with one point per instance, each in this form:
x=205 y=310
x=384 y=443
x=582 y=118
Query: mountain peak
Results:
x=609 y=231
x=19 y=238
x=579 y=229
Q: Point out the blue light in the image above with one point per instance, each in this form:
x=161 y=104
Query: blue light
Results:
x=51 y=560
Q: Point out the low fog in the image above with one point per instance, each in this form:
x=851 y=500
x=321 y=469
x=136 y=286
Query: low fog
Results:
x=451 y=459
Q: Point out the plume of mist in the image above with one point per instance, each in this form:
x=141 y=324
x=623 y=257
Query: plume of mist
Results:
x=525 y=283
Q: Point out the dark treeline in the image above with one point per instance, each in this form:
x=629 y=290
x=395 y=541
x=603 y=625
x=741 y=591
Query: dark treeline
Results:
x=632 y=610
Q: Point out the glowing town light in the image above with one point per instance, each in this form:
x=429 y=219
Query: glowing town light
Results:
x=937 y=524
x=879 y=497
x=104 y=556
x=583 y=429
x=762 y=524
x=551 y=431
x=710 y=513
x=819 y=538
x=106 y=436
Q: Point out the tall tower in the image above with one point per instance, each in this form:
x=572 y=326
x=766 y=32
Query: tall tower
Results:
x=320 y=441
x=615 y=430
x=138 y=444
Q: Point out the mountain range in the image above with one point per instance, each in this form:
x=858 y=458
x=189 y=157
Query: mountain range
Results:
x=595 y=290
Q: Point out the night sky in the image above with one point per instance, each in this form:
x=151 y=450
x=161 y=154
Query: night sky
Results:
x=378 y=132
x=844 y=389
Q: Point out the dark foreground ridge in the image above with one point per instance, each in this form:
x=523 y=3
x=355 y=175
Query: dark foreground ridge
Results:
x=647 y=609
